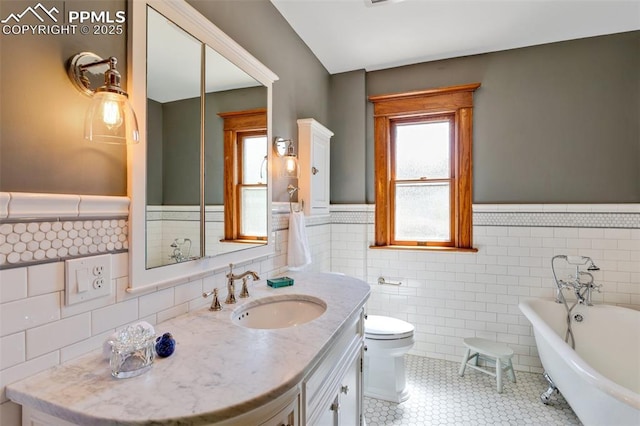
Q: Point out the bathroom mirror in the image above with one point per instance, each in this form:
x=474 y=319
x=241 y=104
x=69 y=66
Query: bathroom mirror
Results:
x=173 y=143
x=186 y=78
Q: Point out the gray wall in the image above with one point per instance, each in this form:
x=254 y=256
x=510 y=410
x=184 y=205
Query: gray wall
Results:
x=181 y=152
x=556 y=123
x=42 y=148
x=302 y=90
x=348 y=122
x=41 y=126
x=553 y=123
x=173 y=153
x=155 y=156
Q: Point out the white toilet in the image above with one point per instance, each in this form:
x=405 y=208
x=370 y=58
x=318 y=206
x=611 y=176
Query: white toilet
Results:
x=387 y=340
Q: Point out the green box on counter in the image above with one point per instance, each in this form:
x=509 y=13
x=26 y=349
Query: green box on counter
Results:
x=280 y=282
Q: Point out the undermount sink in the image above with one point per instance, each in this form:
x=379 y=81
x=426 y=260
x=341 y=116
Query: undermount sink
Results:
x=287 y=310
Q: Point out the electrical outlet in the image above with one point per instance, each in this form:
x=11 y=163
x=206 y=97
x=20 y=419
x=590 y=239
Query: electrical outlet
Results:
x=87 y=278
x=98 y=283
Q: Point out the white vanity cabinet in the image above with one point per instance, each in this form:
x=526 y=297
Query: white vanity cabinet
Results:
x=314 y=160
x=296 y=376
x=332 y=392
x=33 y=417
x=284 y=411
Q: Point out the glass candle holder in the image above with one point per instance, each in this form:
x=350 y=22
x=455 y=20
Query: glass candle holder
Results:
x=132 y=352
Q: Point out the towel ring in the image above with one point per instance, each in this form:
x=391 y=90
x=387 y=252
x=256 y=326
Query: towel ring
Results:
x=291 y=190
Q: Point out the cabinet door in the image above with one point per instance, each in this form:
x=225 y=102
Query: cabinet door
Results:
x=330 y=415
x=320 y=167
x=349 y=396
x=287 y=417
x=314 y=157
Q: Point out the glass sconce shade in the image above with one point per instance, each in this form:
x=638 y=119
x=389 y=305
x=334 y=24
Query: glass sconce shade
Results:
x=291 y=167
x=284 y=148
x=110 y=119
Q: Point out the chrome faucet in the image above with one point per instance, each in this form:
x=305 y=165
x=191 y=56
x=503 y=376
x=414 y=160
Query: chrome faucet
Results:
x=582 y=288
x=231 y=277
x=178 y=244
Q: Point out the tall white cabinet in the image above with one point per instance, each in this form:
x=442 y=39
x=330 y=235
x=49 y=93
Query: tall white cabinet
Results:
x=314 y=155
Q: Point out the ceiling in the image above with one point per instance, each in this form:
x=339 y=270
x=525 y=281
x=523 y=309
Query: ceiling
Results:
x=349 y=35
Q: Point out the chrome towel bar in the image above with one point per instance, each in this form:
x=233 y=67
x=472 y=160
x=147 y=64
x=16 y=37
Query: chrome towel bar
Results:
x=382 y=281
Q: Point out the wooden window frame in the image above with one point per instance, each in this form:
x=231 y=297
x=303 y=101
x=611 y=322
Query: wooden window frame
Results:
x=238 y=124
x=454 y=101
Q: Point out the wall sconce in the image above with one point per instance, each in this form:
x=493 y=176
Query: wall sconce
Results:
x=110 y=117
x=284 y=148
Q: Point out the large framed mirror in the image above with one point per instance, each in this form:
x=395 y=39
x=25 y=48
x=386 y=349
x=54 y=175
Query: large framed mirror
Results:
x=199 y=180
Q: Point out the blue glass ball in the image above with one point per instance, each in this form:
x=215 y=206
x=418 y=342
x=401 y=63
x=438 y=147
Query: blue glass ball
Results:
x=165 y=345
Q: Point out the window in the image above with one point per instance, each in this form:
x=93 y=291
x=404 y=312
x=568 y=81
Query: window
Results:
x=245 y=175
x=423 y=168
x=252 y=185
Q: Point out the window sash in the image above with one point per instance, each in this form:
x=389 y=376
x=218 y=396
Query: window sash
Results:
x=417 y=181
x=251 y=227
x=245 y=139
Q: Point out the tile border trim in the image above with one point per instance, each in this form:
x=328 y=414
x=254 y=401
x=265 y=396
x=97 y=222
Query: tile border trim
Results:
x=44 y=228
x=625 y=216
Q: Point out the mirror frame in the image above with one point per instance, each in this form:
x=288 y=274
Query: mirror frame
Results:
x=190 y=20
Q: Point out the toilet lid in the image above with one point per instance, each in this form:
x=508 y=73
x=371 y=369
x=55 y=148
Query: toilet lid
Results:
x=386 y=328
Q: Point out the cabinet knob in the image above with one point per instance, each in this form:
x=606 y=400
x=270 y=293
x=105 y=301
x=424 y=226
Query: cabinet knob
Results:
x=314 y=170
x=344 y=389
x=335 y=407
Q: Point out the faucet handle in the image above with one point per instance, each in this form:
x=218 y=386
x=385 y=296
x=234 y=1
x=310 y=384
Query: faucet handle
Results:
x=245 y=291
x=215 y=303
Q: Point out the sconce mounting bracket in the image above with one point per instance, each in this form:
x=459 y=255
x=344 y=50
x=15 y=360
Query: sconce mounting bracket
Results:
x=281 y=145
x=78 y=71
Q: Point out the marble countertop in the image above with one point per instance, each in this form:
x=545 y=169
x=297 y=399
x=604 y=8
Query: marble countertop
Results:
x=219 y=370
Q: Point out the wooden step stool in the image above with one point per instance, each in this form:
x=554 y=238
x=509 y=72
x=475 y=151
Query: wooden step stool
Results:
x=499 y=353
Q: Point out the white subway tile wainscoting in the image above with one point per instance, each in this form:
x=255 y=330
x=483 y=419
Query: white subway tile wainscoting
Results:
x=449 y=296
x=446 y=296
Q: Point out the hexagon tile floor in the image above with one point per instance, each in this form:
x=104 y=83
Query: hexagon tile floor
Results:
x=439 y=396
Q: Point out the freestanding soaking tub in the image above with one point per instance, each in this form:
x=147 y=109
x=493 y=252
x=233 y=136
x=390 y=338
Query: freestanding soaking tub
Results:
x=600 y=379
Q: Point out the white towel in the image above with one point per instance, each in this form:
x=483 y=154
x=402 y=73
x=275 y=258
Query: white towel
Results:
x=298 y=253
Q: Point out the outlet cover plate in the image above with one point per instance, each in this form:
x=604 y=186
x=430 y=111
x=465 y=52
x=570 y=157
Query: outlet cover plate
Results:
x=87 y=278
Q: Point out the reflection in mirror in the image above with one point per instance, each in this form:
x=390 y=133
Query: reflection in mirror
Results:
x=168 y=172
x=235 y=157
x=173 y=143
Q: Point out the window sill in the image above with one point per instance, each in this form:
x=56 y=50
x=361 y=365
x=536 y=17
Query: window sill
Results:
x=426 y=248
x=243 y=241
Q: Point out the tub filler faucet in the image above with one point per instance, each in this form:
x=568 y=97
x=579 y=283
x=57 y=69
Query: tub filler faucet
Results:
x=581 y=283
x=179 y=245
